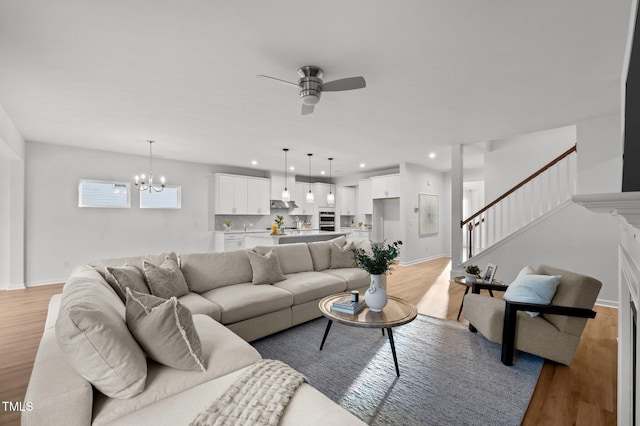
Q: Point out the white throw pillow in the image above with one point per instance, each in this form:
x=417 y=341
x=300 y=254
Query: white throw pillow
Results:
x=531 y=288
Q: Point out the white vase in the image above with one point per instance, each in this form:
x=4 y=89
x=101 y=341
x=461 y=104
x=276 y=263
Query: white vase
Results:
x=376 y=295
x=470 y=279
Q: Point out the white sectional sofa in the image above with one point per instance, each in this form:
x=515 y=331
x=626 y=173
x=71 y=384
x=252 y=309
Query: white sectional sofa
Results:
x=228 y=310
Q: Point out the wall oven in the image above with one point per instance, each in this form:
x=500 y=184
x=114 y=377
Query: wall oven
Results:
x=327 y=220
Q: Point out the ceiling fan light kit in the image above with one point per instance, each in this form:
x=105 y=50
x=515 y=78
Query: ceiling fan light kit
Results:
x=311 y=85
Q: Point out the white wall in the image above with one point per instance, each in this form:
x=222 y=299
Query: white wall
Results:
x=61 y=235
x=572 y=238
x=12 y=210
x=510 y=160
x=417 y=179
x=600 y=147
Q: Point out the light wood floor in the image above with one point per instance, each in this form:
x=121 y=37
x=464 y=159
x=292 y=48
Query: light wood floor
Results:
x=583 y=393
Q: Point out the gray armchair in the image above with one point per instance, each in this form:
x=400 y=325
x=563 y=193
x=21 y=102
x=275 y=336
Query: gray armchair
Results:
x=553 y=335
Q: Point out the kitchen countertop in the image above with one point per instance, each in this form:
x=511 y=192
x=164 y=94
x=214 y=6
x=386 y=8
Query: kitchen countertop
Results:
x=297 y=236
x=248 y=231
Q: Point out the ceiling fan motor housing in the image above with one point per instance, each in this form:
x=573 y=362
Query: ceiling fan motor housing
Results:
x=310 y=84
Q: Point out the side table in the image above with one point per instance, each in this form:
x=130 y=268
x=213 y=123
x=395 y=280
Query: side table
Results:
x=495 y=285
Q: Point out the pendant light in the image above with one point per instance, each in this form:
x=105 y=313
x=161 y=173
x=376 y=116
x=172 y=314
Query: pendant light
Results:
x=310 y=197
x=147 y=185
x=286 y=195
x=331 y=198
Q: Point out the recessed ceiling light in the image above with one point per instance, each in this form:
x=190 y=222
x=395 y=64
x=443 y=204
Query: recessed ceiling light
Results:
x=432 y=155
x=362 y=164
x=292 y=168
x=254 y=162
x=322 y=172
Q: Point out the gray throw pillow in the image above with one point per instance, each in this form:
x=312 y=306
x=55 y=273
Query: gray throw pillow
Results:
x=165 y=331
x=343 y=257
x=121 y=277
x=266 y=268
x=166 y=280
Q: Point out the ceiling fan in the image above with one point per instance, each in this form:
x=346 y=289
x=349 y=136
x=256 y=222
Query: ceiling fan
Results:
x=311 y=85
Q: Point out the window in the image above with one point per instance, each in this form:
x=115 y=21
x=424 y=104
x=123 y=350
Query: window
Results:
x=170 y=198
x=94 y=193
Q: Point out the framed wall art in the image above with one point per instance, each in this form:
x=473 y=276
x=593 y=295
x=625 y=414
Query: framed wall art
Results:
x=428 y=216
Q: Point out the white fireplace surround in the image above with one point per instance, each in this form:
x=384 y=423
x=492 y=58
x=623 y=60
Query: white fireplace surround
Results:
x=625 y=206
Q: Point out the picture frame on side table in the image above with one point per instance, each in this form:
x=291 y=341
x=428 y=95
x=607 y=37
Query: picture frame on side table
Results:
x=489 y=273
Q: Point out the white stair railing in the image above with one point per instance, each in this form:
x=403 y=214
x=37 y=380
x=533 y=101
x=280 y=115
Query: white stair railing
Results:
x=536 y=195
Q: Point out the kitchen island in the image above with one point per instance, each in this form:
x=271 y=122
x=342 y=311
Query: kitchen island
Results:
x=291 y=236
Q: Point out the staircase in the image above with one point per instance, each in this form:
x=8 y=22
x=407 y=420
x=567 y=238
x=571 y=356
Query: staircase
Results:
x=538 y=195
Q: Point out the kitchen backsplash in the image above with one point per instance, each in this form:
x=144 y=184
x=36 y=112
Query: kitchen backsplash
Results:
x=258 y=223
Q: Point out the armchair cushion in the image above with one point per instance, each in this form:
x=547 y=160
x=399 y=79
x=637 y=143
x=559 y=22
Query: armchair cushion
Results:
x=531 y=288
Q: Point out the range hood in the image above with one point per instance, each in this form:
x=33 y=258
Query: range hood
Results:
x=279 y=204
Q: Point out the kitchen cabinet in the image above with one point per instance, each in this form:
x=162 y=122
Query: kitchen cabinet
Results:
x=360 y=235
x=278 y=184
x=347 y=204
x=300 y=198
x=229 y=242
x=258 y=192
x=365 y=200
x=234 y=194
x=321 y=190
x=387 y=186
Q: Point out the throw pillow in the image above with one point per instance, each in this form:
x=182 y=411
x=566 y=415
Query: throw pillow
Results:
x=343 y=257
x=531 y=288
x=165 y=331
x=166 y=280
x=121 y=277
x=266 y=268
x=92 y=333
x=526 y=271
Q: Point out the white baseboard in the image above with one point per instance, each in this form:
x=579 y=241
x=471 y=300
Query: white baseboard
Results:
x=424 y=259
x=20 y=286
x=607 y=303
x=46 y=282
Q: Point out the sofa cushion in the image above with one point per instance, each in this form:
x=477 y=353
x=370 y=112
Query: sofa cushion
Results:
x=223 y=353
x=355 y=277
x=94 y=337
x=164 y=329
x=156 y=259
x=165 y=280
x=266 y=268
x=241 y=301
x=321 y=252
x=308 y=286
x=122 y=277
x=206 y=271
x=343 y=257
x=364 y=245
x=200 y=305
x=293 y=257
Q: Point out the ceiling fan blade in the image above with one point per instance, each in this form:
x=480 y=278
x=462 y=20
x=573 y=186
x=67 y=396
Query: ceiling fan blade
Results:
x=307 y=109
x=344 y=84
x=278 y=80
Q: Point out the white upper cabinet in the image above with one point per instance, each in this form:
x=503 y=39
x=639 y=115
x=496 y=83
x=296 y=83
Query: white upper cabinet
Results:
x=235 y=194
x=321 y=190
x=258 y=196
x=277 y=185
x=347 y=196
x=300 y=197
x=365 y=200
x=387 y=186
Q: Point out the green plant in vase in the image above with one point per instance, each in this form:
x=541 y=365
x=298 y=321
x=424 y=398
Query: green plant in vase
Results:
x=472 y=273
x=279 y=220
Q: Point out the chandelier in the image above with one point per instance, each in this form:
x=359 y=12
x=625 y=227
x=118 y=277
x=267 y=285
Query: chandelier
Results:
x=147 y=185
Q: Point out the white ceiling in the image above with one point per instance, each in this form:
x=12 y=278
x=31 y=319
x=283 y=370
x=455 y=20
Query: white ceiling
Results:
x=111 y=74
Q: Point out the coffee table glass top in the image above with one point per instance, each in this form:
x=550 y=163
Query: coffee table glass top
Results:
x=397 y=312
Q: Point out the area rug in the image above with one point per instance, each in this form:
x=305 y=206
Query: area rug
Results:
x=448 y=375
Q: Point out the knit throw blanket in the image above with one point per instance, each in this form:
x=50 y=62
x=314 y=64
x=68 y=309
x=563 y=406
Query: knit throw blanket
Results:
x=257 y=398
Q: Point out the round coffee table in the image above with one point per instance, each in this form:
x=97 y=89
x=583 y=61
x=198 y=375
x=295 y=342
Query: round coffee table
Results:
x=396 y=313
